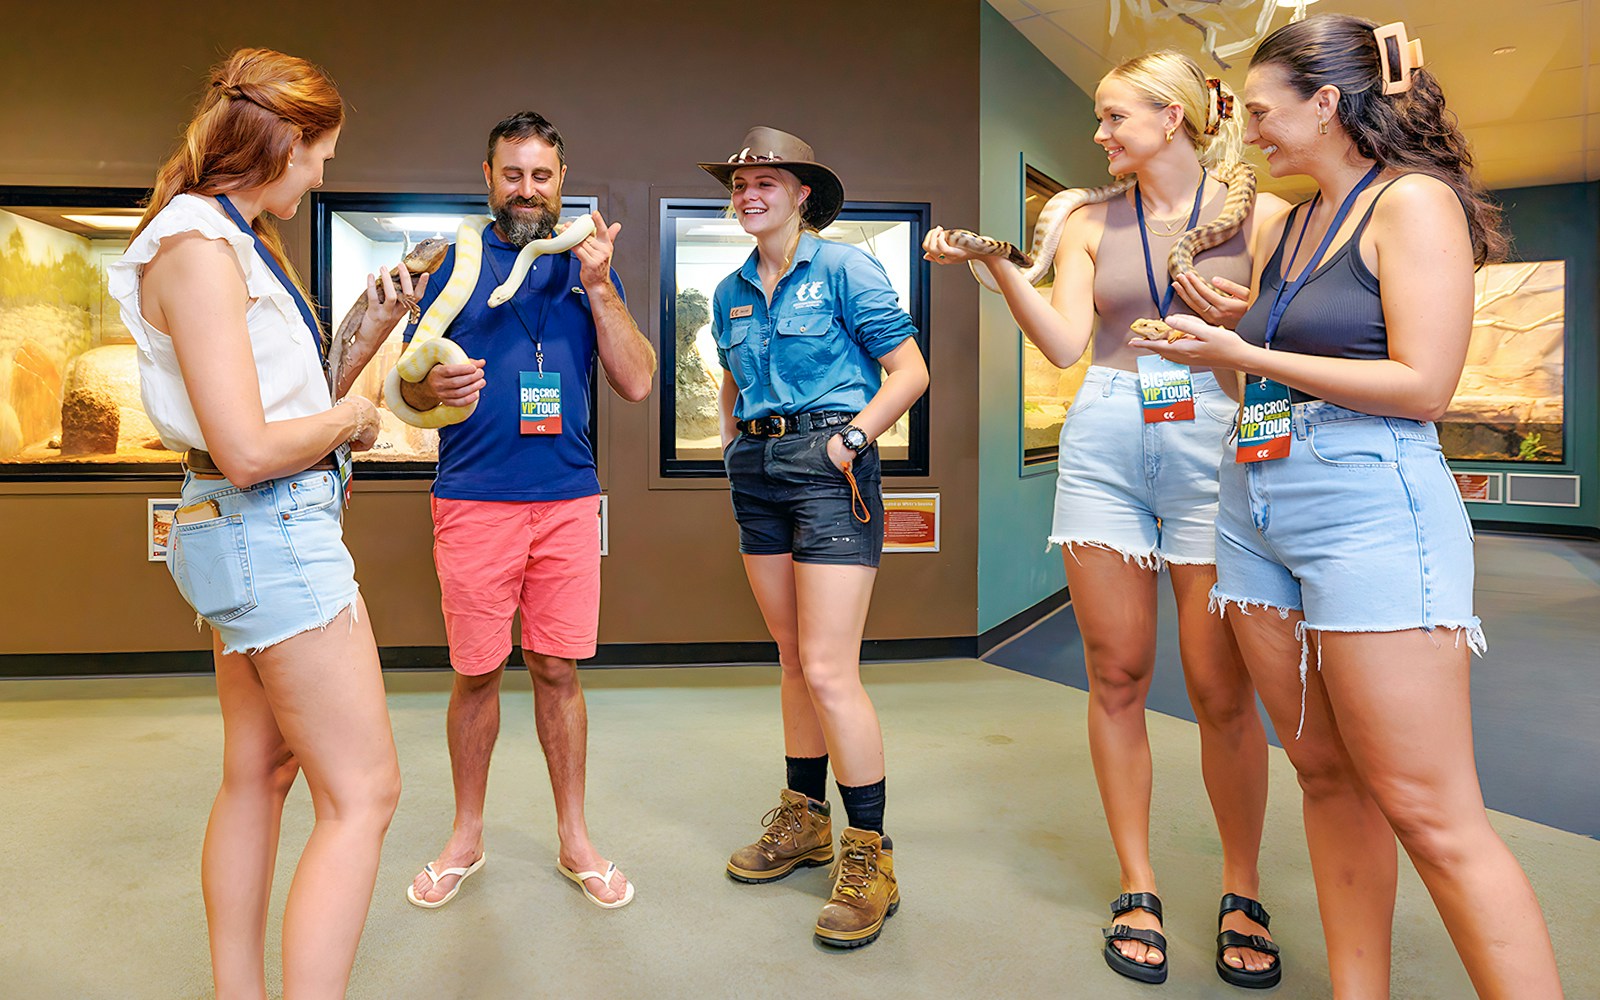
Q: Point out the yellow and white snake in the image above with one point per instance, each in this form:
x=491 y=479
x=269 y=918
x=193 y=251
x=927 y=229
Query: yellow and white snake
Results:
x=1241 y=184
x=430 y=347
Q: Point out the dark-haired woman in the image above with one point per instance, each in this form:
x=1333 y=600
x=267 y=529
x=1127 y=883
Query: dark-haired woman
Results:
x=1344 y=554
x=801 y=330
x=1135 y=496
x=230 y=363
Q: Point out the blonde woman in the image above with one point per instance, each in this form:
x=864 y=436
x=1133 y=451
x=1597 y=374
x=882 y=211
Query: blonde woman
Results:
x=802 y=330
x=1134 y=497
x=230 y=363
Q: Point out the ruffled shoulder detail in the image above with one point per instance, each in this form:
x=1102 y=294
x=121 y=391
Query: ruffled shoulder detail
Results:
x=188 y=213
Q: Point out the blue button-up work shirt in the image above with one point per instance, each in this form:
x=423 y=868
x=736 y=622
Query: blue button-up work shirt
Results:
x=816 y=347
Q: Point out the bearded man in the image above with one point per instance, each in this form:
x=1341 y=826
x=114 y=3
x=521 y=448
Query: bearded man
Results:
x=516 y=501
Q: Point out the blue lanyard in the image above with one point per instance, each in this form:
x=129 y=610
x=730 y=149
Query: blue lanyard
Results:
x=536 y=332
x=1164 y=302
x=1287 y=292
x=277 y=269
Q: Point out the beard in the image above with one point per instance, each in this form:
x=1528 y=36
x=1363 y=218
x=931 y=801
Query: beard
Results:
x=519 y=228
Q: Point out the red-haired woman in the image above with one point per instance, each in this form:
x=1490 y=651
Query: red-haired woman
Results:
x=230 y=363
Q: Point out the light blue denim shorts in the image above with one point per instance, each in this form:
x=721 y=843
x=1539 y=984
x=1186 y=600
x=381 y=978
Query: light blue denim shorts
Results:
x=1360 y=527
x=1145 y=491
x=271 y=565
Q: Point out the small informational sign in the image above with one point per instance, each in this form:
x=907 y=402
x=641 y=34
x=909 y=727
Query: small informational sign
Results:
x=911 y=522
x=605 y=525
x=158 y=525
x=1474 y=486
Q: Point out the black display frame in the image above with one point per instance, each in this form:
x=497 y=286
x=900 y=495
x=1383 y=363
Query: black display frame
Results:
x=917 y=214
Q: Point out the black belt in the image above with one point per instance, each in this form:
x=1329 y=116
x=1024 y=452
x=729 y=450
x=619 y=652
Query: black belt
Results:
x=777 y=425
x=200 y=463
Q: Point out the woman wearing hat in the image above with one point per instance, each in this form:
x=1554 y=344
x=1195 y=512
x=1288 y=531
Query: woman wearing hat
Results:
x=802 y=329
x=1135 y=496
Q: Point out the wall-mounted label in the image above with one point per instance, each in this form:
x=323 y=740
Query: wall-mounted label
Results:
x=911 y=522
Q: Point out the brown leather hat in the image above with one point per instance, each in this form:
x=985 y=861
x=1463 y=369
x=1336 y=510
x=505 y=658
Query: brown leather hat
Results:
x=770 y=147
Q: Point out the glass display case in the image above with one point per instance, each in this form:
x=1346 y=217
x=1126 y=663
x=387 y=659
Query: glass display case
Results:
x=701 y=245
x=1047 y=391
x=1510 y=405
x=354 y=235
x=69 y=373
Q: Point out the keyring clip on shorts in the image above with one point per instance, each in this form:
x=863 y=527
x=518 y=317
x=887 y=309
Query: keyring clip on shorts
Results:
x=1360 y=527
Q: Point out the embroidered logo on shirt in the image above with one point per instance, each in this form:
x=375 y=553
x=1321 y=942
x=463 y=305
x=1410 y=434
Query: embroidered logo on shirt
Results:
x=808 y=291
x=740 y=312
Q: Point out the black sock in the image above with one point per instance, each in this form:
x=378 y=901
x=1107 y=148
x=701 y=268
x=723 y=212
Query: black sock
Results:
x=808 y=776
x=863 y=804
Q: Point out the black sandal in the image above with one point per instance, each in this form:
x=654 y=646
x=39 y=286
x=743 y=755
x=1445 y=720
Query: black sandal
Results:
x=1122 y=964
x=1264 y=979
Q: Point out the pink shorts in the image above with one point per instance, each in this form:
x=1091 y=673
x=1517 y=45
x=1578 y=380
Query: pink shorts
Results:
x=495 y=557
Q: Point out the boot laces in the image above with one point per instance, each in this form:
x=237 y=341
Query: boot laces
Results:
x=779 y=820
x=854 y=870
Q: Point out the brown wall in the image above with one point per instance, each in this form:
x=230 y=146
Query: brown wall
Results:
x=887 y=92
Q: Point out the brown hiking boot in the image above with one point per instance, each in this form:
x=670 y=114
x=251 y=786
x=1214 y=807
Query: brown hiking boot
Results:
x=799 y=832
x=864 y=891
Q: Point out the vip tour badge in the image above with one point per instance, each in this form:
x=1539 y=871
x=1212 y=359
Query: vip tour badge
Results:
x=1264 y=421
x=1166 y=390
x=540 y=403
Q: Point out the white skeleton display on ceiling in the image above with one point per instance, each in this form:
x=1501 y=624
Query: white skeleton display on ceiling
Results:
x=1212 y=18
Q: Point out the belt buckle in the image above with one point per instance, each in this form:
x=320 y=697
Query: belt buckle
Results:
x=777 y=421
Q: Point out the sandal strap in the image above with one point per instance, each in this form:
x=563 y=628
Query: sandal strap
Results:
x=1244 y=904
x=1130 y=901
x=1122 y=932
x=1233 y=939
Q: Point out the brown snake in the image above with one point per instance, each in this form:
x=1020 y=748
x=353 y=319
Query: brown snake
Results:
x=424 y=258
x=1036 y=264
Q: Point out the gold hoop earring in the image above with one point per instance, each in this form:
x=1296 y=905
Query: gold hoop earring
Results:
x=1322 y=128
x=1170 y=133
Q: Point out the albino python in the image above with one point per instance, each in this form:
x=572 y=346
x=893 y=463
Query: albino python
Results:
x=1241 y=183
x=430 y=347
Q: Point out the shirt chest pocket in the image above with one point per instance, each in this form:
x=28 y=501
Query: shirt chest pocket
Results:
x=739 y=349
x=803 y=349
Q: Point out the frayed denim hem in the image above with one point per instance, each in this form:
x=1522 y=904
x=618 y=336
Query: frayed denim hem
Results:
x=1144 y=560
x=353 y=604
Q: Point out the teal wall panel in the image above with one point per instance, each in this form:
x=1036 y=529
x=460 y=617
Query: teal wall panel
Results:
x=1028 y=109
x=1561 y=222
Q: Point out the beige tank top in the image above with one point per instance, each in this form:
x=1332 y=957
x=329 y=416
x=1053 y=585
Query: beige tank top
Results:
x=1121 y=293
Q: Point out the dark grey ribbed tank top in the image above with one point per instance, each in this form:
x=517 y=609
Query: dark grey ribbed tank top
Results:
x=1338 y=312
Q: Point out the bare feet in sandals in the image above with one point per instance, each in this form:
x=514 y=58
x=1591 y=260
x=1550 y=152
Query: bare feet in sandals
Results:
x=434 y=890
x=602 y=881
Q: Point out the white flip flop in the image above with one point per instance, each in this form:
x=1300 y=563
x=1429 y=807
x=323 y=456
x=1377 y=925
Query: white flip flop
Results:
x=605 y=877
x=461 y=873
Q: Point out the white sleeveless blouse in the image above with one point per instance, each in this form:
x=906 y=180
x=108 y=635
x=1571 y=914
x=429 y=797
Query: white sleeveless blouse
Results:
x=292 y=382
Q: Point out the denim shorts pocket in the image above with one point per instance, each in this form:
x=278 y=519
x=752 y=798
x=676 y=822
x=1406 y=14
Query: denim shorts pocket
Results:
x=309 y=494
x=1086 y=395
x=210 y=563
x=1354 y=444
x=1218 y=406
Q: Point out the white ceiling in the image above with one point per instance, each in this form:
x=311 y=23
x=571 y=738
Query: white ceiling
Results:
x=1532 y=116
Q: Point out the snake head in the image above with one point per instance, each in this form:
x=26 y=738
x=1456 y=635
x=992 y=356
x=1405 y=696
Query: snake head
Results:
x=426 y=256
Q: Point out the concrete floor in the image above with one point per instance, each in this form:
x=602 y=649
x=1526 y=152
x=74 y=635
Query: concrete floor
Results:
x=1004 y=862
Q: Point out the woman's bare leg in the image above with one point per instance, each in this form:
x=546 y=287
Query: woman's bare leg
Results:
x=327 y=695
x=1404 y=711
x=772 y=582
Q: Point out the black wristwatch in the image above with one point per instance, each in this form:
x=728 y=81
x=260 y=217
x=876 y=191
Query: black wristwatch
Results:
x=854 y=438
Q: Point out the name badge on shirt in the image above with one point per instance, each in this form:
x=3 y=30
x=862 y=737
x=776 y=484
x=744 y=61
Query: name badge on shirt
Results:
x=1166 y=389
x=540 y=403
x=1264 y=421
x=740 y=312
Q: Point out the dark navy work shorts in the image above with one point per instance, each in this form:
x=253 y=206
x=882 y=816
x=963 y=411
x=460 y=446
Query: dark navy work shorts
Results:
x=790 y=499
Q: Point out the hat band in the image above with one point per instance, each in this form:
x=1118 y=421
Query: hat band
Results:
x=745 y=156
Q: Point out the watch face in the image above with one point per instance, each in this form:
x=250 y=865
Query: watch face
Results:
x=855 y=438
